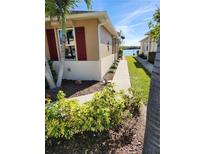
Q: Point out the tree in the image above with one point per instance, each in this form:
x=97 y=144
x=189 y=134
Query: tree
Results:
x=49 y=76
x=121 y=35
x=154 y=25
x=59 y=9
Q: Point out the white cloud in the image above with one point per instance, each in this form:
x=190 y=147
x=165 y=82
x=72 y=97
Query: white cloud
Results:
x=125 y=29
x=129 y=29
x=130 y=33
x=130 y=40
x=132 y=15
x=147 y=19
x=138 y=24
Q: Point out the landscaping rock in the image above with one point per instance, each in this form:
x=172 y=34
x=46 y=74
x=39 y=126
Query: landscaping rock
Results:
x=78 y=82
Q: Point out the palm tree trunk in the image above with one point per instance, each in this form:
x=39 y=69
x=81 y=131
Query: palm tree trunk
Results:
x=49 y=76
x=62 y=53
x=152 y=132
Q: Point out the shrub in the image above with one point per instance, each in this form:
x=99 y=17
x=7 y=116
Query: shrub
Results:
x=142 y=55
x=114 y=65
x=117 y=61
x=132 y=99
x=63 y=118
x=111 y=71
x=151 y=57
x=106 y=110
x=120 y=53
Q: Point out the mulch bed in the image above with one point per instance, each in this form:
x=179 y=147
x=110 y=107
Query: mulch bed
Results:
x=71 y=89
x=127 y=138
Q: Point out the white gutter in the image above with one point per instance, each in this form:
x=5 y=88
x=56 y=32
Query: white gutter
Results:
x=100 y=56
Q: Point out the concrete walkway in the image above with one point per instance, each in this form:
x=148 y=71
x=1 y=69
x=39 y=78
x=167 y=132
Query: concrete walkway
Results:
x=121 y=80
x=84 y=98
x=148 y=66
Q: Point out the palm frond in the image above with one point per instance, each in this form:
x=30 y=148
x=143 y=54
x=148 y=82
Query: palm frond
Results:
x=62 y=7
x=88 y=3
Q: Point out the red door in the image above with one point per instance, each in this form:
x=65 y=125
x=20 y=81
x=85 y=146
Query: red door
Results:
x=52 y=44
x=80 y=43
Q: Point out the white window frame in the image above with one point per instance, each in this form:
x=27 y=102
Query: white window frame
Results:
x=74 y=37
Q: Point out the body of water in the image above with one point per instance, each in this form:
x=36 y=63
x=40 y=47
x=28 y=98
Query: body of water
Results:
x=130 y=52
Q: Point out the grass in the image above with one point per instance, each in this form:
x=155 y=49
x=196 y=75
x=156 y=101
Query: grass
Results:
x=139 y=77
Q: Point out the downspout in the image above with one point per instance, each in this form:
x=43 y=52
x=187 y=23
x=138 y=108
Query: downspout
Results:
x=100 y=56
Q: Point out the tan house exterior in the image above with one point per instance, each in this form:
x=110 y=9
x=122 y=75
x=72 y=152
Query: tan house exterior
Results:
x=148 y=45
x=91 y=47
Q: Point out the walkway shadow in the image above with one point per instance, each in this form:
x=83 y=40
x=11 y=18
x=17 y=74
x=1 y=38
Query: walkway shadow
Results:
x=139 y=65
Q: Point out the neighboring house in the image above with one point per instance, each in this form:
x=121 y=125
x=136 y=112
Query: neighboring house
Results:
x=148 y=45
x=91 y=47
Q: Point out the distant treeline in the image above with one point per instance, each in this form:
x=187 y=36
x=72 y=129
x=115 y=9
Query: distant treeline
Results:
x=130 y=47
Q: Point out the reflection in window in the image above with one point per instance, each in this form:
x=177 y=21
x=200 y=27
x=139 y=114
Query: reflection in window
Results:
x=70 y=51
x=69 y=34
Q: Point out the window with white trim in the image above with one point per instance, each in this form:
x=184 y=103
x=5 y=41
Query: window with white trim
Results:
x=70 y=47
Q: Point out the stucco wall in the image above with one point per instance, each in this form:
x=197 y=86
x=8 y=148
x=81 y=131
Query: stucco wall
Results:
x=152 y=46
x=79 y=70
x=144 y=45
x=105 y=37
x=91 y=35
x=106 y=62
x=85 y=70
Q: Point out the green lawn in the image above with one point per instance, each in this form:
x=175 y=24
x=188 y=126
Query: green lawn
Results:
x=139 y=77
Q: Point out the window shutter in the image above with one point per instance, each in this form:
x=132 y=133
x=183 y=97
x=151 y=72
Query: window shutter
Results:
x=80 y=43
x=52 y=44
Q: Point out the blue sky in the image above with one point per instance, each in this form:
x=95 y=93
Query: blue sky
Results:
x=130 y=16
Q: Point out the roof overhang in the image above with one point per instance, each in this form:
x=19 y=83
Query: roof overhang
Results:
x=147 y=33
x=101 y=16
x=144 y=39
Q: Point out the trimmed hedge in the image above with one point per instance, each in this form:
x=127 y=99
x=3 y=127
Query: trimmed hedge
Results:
x=141 y=55
x=151 y=57
x=120 y=53
x=106 y=110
